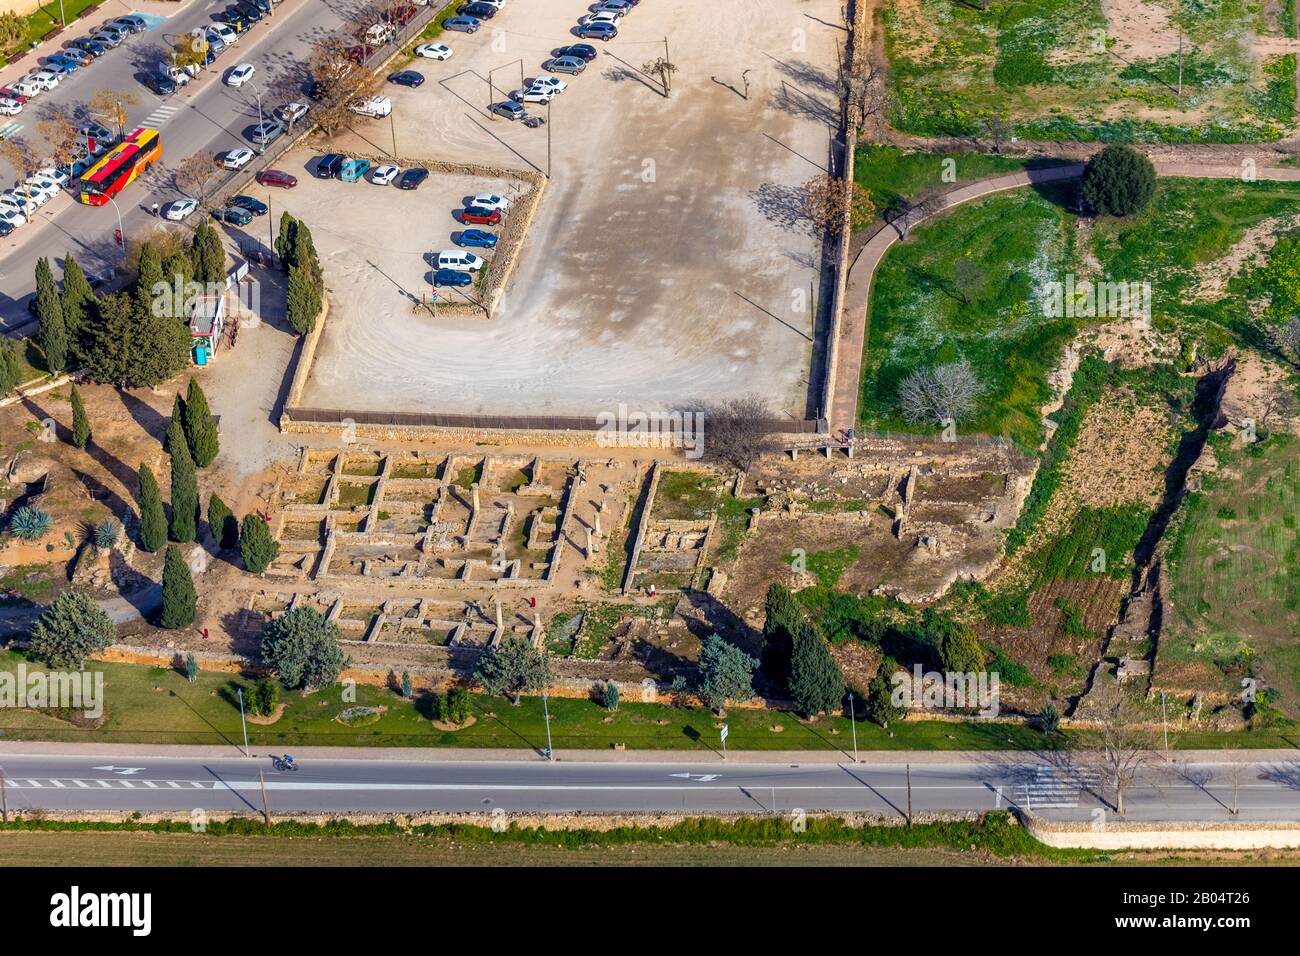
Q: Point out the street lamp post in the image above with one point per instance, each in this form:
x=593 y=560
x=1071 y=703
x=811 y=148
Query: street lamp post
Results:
x=546 y=711
x=120 y=231
x=261 y=149
x=240 y=692
x=853 y=724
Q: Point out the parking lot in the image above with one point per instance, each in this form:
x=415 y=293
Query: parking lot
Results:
x=666 y=264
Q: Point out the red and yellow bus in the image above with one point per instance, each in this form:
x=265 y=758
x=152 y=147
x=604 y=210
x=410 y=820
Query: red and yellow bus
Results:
x=120 y=166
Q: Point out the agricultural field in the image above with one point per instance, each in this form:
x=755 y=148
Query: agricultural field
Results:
x=1234 y=579
x=1109 y=70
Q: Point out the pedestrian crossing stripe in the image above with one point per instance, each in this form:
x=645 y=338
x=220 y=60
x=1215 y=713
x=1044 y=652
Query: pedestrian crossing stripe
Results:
x=161 y=115
x=1052 y=788
x=10 y=129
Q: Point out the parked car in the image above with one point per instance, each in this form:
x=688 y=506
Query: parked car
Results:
x=508 y=109
x=60 y=64
x=255 y=206
x=179 y=209
x=91 y=47
x=597 y=31
x=237 y=158
x=179 y=75
x=353 y=170
x=359 y=53
x=251 y=11
x=584 y=51
x=400 y=15
x=461 y=24
x=482 y=217
x=329 y=165
x=28 y=88
x=478 y=11
x=266 y=132
x=477 y=238
x=133 y=22
x=433 y=51
x=452 y=277
x=460 y=260
x=80 y=56
x=45 y=79
x=225 y=32
x=109 y=36
x=159 y=82
x=43 y=189
x=277 y=177
x=376 y=106
x=290 y=113
x=10 y=107
x=240 y=75
x=385 y=174
x=490 y=201
x=541 y=90
x=567 y=64
x=11 y=217
x=609 y=17
x=234 y=20
x=621 y=7
x=233 y=216
x=412 y=178
x=407 y=78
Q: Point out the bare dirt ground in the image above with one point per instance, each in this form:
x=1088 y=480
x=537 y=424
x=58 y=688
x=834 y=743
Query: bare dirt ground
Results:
x=668 y=262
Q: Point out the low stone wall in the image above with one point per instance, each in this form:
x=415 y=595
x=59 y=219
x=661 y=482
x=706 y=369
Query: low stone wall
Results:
x=1162 y=836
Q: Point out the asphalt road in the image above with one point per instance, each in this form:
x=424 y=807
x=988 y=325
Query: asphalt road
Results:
x=1266 y=790
x=203 y=116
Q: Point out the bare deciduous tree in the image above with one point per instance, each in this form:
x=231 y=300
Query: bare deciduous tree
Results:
x=1289 y=339
x=112 y=105
x=1124 y=748
x=195 y=173
x=824 y=204
x=59 y=129
x=907 y=211
x=737 y=432
x=663 y=68
x=939 y=395
x=868 y=99
x=336 y=82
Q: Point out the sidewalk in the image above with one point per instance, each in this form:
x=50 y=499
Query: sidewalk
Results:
x=675 y=757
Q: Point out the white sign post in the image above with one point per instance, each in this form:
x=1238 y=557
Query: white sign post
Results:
x=725 y=730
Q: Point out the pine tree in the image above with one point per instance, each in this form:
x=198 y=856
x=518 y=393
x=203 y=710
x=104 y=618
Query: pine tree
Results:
x=406 y=684
x=200 y=426
x=80 y=423
x=816 y=682
x=609 y=695
x=78 y=303
x=256 y=546
x=53 y=333
x=222 y=523
x=178 y=597
x=191 y=667
x=185 y=485
x=881 y=705
x=153 y=521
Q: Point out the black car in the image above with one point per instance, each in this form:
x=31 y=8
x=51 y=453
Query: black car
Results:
x=479 y=11
x=233 y=216
x=584 y=51
x=255 y=206
x=236 y=20
x=159 y=82
x=407 y=78
x=411 y=178
x=329 y=166
x=250 y=10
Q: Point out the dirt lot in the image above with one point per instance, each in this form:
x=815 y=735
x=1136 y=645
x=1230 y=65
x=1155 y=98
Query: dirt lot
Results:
x=654 y=202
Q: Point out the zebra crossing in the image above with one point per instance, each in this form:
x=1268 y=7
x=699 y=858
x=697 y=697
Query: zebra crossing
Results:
x=161 y=115
x=10 y=129
x=1058 y=787
x=65 y=783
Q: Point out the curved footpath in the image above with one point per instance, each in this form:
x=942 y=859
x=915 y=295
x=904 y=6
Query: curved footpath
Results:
x=843 y=413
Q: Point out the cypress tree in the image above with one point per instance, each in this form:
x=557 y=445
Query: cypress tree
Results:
x=284 y=241
x=80 y=423
x=816 y=682
x=149 y=276
x=222 y=523
x=304 y=251
x=53 y=334
x=208 y=255
x=78 y=303
x=178 y=597
x=108 y=348
x=11 y=369
x=185 y=485
x=783 y=616
x=200 y=427
x=302 y=302
x=256 y=546
x=153 y=522
x=178 y=415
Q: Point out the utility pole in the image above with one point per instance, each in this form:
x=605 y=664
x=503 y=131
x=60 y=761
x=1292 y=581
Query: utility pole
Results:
x=548 y=138
x=266 y=812
x=853 y=724
x=546 y=711
x=4 y=797
x=909 y=795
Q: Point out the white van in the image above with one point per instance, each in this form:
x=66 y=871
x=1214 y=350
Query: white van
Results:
x=376 y=106
x=460 y=260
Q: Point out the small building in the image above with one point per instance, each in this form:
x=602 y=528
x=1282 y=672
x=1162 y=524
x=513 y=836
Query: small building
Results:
x=207 y=324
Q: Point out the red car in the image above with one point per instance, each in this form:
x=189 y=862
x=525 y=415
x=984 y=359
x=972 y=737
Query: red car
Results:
x=486 y=217
x=400 y=15
x=276 y=177
x=12 y=94
x=360 y=53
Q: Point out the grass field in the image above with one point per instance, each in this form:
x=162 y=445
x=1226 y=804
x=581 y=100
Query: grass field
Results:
x=891 y=173
x=969 y=286
x=1058 y=70
x=1235 y=580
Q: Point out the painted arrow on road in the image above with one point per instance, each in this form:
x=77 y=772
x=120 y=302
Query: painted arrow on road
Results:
x=121 y=770
x=702 y=777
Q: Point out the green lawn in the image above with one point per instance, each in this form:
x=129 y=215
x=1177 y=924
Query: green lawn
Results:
x=890 y=173
x=157 y=705
x=969 y=286
x=1052 y=70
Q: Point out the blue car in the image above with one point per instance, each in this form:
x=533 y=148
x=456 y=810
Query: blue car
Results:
x=62 y=63
x=452 y=277
x=463 y=24
x=477 y=238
